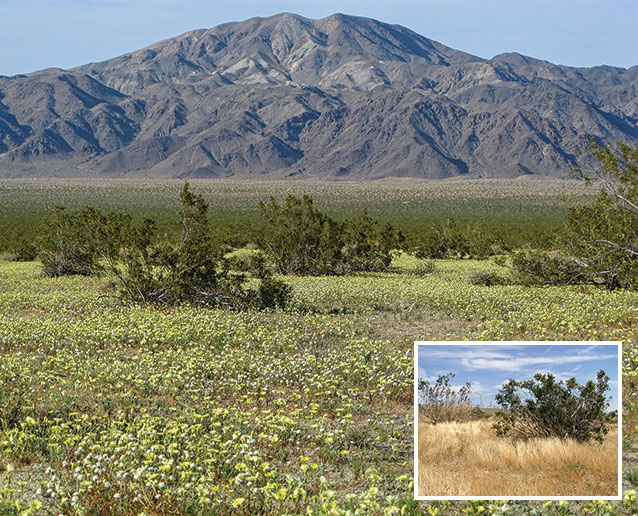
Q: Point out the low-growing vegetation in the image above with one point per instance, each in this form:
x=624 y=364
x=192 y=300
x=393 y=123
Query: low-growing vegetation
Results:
x=515 y=212
x=469 y=459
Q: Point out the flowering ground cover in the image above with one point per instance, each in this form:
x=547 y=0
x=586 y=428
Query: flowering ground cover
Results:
x=112 y=409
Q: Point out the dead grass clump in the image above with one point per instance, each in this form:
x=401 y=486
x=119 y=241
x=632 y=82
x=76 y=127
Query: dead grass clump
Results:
x=468 y=459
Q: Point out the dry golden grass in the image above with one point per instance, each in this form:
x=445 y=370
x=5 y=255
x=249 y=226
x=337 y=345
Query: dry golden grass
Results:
x=468 y=459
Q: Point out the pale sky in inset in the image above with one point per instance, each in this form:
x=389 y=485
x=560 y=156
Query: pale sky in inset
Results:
x=487 y=367
x=37 y=34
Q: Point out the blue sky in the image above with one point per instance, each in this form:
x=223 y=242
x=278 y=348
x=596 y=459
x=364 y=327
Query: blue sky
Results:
x=487 y=367
x=36 y=34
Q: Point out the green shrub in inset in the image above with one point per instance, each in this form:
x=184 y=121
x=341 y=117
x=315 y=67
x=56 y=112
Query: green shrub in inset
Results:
x=544 y=407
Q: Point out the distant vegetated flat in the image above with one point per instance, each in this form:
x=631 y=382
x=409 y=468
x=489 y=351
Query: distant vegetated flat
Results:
x=518 y=211
x=286 y=96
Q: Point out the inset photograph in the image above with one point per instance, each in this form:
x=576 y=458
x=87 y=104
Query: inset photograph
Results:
x=517 y=420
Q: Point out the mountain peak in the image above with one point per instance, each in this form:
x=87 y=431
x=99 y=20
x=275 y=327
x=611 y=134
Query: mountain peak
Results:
x=340 y=97
x=281 y=49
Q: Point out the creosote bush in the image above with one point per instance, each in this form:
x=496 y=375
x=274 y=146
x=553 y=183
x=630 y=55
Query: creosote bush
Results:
x=152 y=270
x=453 y=241
x=599 y=244
x=440 y=402
x=603 y=234
x=300 y=239
x=25 y=251
x=66 y=244
x=544 y=407
x=487 y=278
x=191 y=271
x=544 y=267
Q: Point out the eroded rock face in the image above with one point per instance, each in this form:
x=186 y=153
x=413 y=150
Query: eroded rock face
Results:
x=340 y=97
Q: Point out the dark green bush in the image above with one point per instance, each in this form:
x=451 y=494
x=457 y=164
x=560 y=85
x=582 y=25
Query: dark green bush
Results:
x=66 y=244
x=154 y=270
x=603 y=234
x=480 y=243
x=603 y=239
x=189 y=271
x=300 y=239
x=477 y=413
x=366 y=246
x=272 y=293
x=546 y=267
x=25 y=251
x=445 y=241
x=544 y=407
x=487 y=278
x=254 y=262
x=532 y=266
x=473 y=240
x=599 y=244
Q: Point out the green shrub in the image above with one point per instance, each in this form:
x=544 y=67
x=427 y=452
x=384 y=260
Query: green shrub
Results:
x=366 y=246
x=300 y=239
x=157 y=271
x=272 y=293
x=25 y=251
x=546 y=267
x=480 y=243
x=477 y=413
x=544 y=407
x=442 y=242
x=66 y=244
x=487 y=278
x=599 y=244
x=603 y=235
x=424 y=268
x=453 y=241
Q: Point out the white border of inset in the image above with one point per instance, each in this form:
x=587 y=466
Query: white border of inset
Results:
x=418 y=343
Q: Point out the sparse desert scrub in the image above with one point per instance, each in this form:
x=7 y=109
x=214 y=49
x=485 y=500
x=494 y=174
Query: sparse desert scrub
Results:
x=468 y=459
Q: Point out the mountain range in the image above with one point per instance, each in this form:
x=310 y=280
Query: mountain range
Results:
x=342 y=97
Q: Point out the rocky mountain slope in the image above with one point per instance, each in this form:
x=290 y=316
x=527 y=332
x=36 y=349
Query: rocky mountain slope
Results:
x=286 y=96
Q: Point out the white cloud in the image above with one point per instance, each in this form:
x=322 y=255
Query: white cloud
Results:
x=518 y=363
x=423 y=376
x=452 y=353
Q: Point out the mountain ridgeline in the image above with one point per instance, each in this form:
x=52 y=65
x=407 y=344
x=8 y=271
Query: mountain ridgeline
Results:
x=343 y=97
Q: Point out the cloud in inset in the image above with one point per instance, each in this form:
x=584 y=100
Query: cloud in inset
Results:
x=518 y=363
